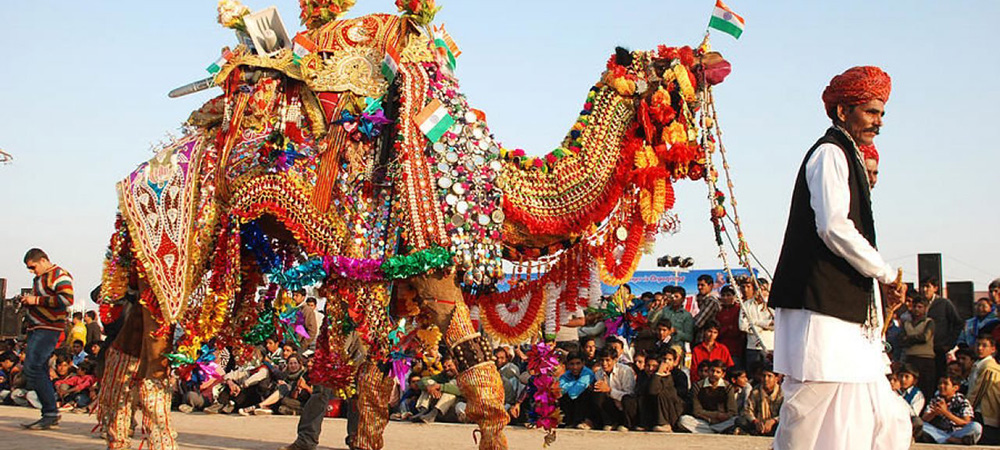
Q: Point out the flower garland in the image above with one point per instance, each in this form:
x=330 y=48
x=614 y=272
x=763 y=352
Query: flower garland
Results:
x=117 y=264
x=316 y=13
x=542 y=362
x=421 y=12
x=617 y=271
x=505 y=327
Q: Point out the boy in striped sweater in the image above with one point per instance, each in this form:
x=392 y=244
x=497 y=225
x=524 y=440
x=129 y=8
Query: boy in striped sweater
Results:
x=46 y=307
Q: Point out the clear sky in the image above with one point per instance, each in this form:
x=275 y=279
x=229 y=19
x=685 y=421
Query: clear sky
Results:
x=83 y=94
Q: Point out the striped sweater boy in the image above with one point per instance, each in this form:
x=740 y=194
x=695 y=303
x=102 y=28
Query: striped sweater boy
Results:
x=55 y=291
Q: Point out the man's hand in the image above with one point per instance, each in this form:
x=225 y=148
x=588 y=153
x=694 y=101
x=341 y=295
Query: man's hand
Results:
x=601 y=386
x=768 y=426
x=515 y=411
x=434 y=391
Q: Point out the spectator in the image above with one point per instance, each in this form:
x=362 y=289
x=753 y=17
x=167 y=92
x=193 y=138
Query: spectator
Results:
x=983 y=319
x=577 y=385
x=760 y=417
x=708 y=302
x=78 y=332
x=52 y=295
x=93 y=328
x=947 y=323
x=965 y=358
x=74 y=390
x=639 y=362
x=728 y=317
x=948 y=417
x=665 y=332
x=408 y=400
x=94 y=349
x=671 y=359
x=311 y=323
x=758 y=316
x=710 y=348
x=984 y=390
x=510 y=375
x=680 y=318
x=908 y=379
x=77 y=352
x=659 y=405
x=590 y=352
x=274 y=353
x=714 y=409
x=620 y=348
x=440 y=393
x=8 y=362
x=614 y=394
x=739 y=387
x=918 y=344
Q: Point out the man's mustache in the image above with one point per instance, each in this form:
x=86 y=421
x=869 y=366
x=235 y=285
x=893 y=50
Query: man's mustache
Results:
x=873 y=130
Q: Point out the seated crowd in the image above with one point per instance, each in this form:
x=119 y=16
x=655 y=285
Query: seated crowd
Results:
x=699 y=365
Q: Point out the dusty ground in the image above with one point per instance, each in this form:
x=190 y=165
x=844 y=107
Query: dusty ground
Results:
x=205 y=432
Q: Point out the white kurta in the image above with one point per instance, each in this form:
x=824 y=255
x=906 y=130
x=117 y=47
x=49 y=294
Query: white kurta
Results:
x=836 y=393
x=810 y=346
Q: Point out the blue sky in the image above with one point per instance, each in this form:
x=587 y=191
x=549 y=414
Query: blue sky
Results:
x=84 y=96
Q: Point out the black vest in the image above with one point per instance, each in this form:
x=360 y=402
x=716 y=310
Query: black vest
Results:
x=809 y=275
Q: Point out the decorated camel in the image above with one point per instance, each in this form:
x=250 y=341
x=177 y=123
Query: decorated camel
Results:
x=348 y=159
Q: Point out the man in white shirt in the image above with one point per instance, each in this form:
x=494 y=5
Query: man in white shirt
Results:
x=757 y=315
x=614 y=394
x=826 y=289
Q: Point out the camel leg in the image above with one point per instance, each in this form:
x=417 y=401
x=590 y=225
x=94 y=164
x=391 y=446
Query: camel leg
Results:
x=477 y=375
x=155 y=392
x=118 y=382
x=374 y=389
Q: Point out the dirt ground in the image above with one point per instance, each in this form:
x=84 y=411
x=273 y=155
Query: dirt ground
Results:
x=211 y=432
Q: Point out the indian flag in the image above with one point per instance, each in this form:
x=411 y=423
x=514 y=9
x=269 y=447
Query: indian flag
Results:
x=302 y=46
x=434 y=120
x=390 y=65
x=217 y=65
x=726 y=21
x=447 y=45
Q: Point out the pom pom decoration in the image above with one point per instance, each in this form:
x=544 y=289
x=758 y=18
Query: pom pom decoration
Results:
x=231 y=13
x=542 y=363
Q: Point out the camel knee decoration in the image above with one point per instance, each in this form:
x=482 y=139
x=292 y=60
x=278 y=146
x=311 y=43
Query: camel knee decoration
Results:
x=355 y=163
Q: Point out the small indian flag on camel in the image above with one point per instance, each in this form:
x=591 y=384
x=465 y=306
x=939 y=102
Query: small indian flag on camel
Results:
x=390 y=65
x=301 y=47
x=726 y=21
x=434 y=120
x=217 y=65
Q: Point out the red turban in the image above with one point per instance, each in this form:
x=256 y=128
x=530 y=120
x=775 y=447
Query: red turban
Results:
x=855 y=86
x=870 y=152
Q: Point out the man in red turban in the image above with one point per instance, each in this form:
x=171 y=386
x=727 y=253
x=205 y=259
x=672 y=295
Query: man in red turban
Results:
x=828 y=340
x=856 y=100
x=871 y=163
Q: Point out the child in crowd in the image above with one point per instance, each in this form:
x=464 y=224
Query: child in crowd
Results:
x=739 y=387
x=908 y=379
x=73 y=390
x=984 y=394
x=8 y=361
x=760 y=416
x=948 y=417
x=918 y=345
x=577 y=386
x=659 y=405
x=714 y=408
